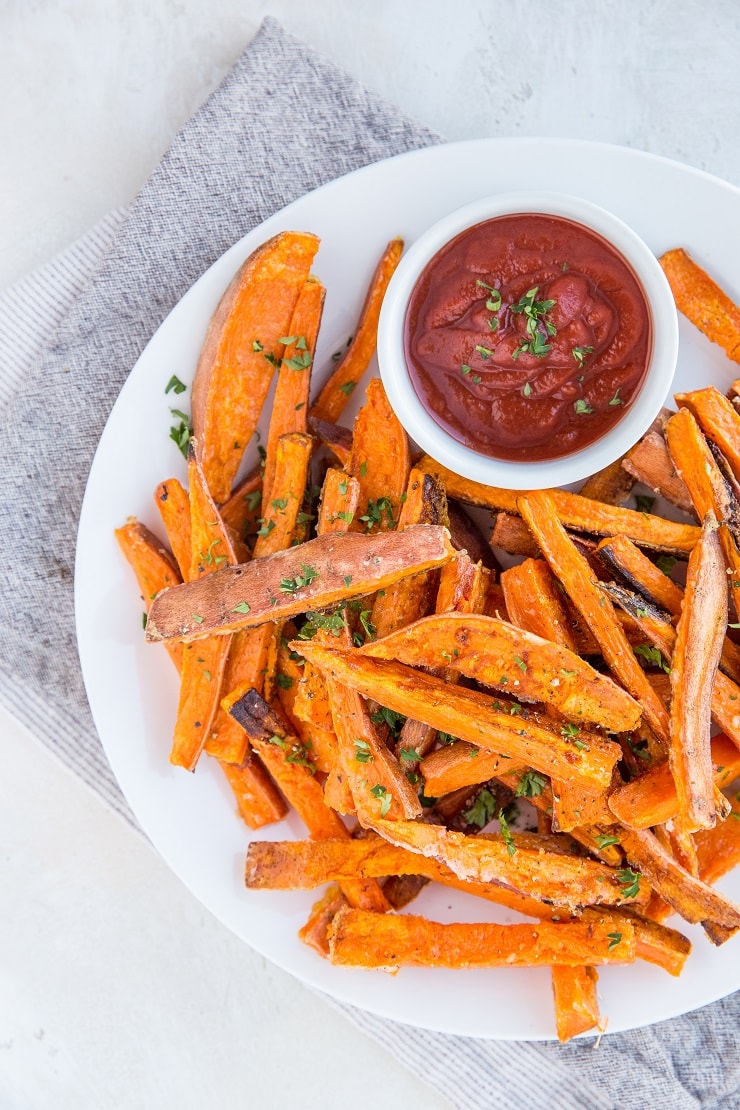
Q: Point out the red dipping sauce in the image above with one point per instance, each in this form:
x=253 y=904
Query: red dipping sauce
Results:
x=527 y=337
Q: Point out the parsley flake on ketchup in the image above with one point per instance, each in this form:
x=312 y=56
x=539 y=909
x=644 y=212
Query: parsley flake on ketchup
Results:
x=522 y=326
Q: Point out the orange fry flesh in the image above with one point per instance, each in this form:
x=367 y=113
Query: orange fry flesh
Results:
x=360 y=939
x=153 y=566
x=700 y=299
x=173 y=503
x=718 y=419
x=335 y=393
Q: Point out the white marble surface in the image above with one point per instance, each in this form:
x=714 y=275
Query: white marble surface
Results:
x=116 y=988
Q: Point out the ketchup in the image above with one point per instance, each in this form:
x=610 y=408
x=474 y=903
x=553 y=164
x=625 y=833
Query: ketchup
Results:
x=527 y=337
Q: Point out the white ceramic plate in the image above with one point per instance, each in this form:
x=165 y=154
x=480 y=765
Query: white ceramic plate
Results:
x=132 y=686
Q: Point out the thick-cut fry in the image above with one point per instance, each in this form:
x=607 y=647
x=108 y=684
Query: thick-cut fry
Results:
x=651 y=799
x=390 y=941
x=289 y=409
x=173 y=502
x=692 y=898
x=511 y=534
x=538 y=509
x=535 y=741
x=258 y=800
x=380 y=461
x=468 y=537
x=241 y=349
x=576 y=512
x=718 y=419
x=621 y=555
x=534 y=601
x=497 y=654
x=412 y=598
x=649 y=462
x=340 y=496
x=153 y=566
x=612 y=485
x=334 y=395
x=718 y=849
x=700 y=299
x=204 y=664
x=460 y=764
x=576 y=1001
x=699 y=636
x=241 y=512
x=333 y=568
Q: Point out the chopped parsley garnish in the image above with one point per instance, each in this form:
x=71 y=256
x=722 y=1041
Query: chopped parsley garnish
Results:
x=614 y=940
x=284 y=681
x=666 y=563
x=651 y=655
x=394 y=721
x=362 y=751
x=527 y=390
x=298 y=362
x=197 y=618
x=582 y=407
x=253 y=499
x=520 y=663
x=385 y=798
x=174 y=385
x=368 y=626
x=347 y=388
x=180 y=433
x=144 y=619
x=348 y=580
x=329 y=622
x=292 y=585
x=530 y=785
x=538 y=325
x=409 y=754
x=505 y=833
x=266 y=526
x=616 y=399
x=581 y=353
x=606 y=841
x=375 y=510
x=242 y=607
x=644 y=503
x=630 y=880
x=482 y=809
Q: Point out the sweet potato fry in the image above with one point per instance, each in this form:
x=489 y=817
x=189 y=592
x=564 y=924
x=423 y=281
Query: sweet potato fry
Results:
x=390 y=941
x=497 y=654
x=535 y=741
x=334 y=436
x=413 y=597
x=575 y=512
x=718 y=419
x=241 y=349
x=699 y=636
x=204 y=665
x=289 y=409
x=651 y=799
x=340 y=497
x=649 y=462
x=457 y=765
x=258 y=800
x=173 y=502
x=380 y=461
x=468 y=537
x=337 y=390
x=612 y=485
x=511 y=534
x=534 y=601
x=241 y=512
x=333 y=568
x=576 y=1001
x=690 y=897
x=153 y=566
x=700 y=299
x=538 y=509
x=621 y=555
x=718 y=849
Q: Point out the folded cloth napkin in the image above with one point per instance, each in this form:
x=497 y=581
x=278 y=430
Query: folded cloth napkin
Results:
x=69 y=336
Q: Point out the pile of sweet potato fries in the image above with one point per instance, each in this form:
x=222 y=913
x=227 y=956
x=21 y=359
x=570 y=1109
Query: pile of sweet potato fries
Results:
x=355 y=649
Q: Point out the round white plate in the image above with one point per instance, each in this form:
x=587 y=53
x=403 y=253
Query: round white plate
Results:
x=132 y=686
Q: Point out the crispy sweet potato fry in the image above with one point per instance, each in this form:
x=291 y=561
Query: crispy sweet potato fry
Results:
x=718 y=419
x=241 y=348
x=690 y=897
x=534 y=601
x=538 y=509
x=338 y=566
x=258 y=800
x=390 y=941
x=460 y=764
x=718 y=849
x=575 y=512
x=173 y=502
x=535 y=741
x=651 y=799
x=649 y=462
x=292 y=388
x=153 y=566
x=621 y=555
x=468 y=537
x=511 y=534
x=576 y=1001
x=700 y=299
x=699 y=636
x=334 y=395
x=497 y=654
x=612 y=485
x=241 y=512
x=203 y=666
x=380 y=461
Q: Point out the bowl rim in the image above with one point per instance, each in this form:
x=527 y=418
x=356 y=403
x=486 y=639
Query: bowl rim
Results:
x=578 y=465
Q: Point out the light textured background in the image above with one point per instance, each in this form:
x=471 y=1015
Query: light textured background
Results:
x=116 y=988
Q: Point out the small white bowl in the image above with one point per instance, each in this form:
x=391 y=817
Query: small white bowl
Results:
x=569 y=468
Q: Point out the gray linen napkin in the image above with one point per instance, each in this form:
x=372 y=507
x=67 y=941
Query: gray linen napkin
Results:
x=69 y=336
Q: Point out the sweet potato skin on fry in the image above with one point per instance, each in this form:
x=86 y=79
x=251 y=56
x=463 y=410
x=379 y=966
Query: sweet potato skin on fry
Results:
x=360 y=939
x=497 y=654
x=534 y=741
x=347 y=565
x=233 y=374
